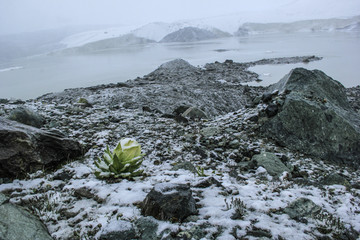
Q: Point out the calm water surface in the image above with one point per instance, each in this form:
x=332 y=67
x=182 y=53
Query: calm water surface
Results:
x=32 y=77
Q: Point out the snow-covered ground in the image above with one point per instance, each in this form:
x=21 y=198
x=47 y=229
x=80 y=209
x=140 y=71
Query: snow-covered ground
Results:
x=74 y=204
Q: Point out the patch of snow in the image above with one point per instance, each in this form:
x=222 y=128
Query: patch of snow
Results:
x=11 y=69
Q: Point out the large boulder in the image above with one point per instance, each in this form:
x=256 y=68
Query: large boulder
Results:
x=171 y=202
x=27 y=116
x=17 y=223
x=315 y=118
x=25 y=149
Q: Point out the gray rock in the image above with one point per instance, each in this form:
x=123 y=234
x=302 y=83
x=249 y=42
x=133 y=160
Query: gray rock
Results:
x=146 y=228
x=271 y=163
x=335 y=179
x=210 y=131
x=167 y=201
x=184 y=165
x=27 y=116
x=316 y=118
x=194 y=113
x=25 y=149
x=271 y=110
x=207 y=182
x=17 y=223
x=302 y=208
x=118 y=230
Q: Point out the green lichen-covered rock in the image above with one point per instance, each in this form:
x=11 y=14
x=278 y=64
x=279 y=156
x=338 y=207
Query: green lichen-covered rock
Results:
x=302 y=208
x=146 y=228
x=17 y=223
x=315 y=118
x=271 y=163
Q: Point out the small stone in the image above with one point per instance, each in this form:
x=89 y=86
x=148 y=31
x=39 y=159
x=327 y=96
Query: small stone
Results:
x=271 y=110
x=266 y=97
x=184 y=165
x=207 y=182
x=335 y=179
x=234 y=144
x=84 y=192
x=210 y=131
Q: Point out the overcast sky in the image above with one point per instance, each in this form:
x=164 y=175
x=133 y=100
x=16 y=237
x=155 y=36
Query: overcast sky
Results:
x=30 y=15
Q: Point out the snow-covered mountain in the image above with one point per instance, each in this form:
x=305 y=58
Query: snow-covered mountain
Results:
x=109 y=44
x=83 y=38
x=334 y=24
x=226 y=25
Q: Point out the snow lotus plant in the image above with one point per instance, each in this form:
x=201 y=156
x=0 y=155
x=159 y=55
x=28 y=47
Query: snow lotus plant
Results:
x=123 y=162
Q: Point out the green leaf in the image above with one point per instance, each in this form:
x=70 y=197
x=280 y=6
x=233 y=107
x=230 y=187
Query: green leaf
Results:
x=122 y=162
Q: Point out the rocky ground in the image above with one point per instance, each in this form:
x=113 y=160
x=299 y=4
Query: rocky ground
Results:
x=198 y=127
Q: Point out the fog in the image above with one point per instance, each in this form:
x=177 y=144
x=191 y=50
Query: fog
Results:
x=32 y=15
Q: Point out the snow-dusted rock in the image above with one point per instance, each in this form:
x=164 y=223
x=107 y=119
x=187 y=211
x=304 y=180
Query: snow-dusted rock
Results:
x=168 y=201
x=27 y=116
x=25 y=149
x=271 y=163
x=118 y=230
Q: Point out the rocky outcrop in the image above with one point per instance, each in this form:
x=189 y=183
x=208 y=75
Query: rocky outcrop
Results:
x=191 y=34
x=168 y=201
x=25 y=149
x=315 y=117
x=17 y=223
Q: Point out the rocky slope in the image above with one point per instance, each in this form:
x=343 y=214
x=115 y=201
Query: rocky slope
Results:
x=200 y=131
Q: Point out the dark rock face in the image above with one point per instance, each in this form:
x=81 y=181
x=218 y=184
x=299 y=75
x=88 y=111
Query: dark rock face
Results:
x=27 y=116
x=16 y=223
x=168 y=201
x=190 y=34
x=315 y=118
x=25 y=149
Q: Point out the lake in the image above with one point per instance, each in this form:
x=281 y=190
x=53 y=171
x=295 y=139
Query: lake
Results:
x=34 y=76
